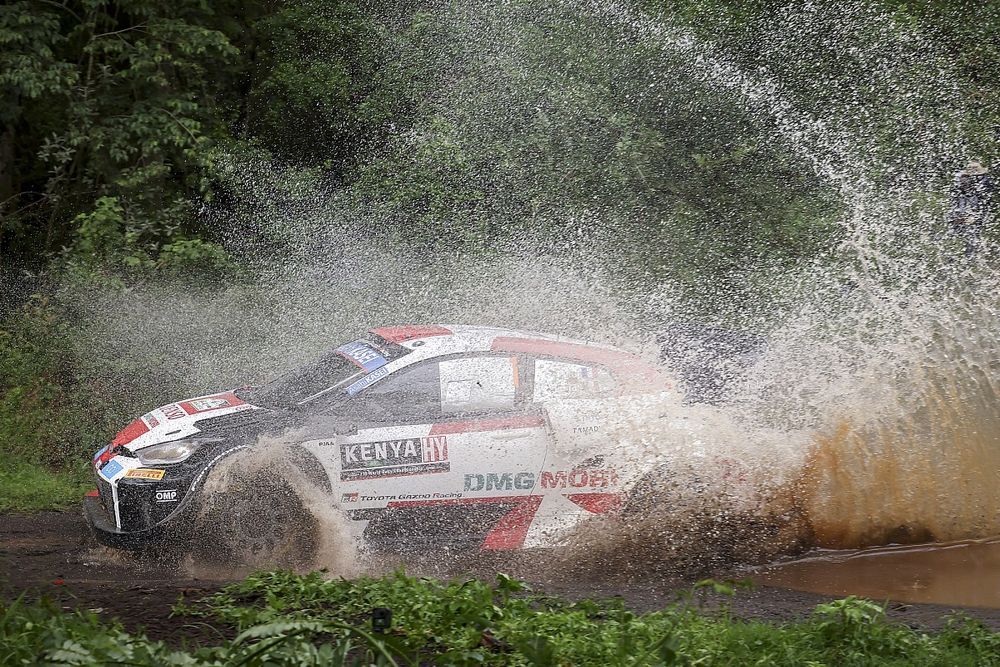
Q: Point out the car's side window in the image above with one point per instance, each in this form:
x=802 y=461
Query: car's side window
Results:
x=478 y=384
x=561 y=379
x=411 y=392
x=429 y=390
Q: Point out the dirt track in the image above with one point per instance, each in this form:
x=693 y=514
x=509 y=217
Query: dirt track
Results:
x=53 y=554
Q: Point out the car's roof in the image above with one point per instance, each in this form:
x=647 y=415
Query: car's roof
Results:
x=464 y=335
x=433 y=340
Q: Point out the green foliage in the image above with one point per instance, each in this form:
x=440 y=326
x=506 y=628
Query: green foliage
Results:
x=28 y=487
x=58 y=403
x=472 y=125
x=114 y=102
x=43 y=634
x=130 y=133
x=36 y=401
x=285 y=619
x=314 y=101
x=470 y=622
x=547 y=133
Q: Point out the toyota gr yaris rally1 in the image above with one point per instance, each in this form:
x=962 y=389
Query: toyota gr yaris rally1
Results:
x=420 y=436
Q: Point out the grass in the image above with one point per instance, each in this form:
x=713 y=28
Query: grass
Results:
x=27 y=487
x=287 y=619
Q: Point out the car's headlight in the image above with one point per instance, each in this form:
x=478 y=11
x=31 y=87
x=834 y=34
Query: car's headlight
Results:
x=170 y=452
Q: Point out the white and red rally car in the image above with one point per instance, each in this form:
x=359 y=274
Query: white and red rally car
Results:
x=427 y=435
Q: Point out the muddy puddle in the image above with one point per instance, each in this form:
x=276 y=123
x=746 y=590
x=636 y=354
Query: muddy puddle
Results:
x=965 y=573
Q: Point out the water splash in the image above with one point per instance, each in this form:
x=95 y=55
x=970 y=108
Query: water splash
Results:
x=875 y=403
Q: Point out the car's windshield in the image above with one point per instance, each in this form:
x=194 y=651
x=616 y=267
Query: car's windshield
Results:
x=332 y=369
x=298 y=385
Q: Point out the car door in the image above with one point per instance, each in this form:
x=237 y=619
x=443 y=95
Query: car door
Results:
x=445 y=452
x=581 y=476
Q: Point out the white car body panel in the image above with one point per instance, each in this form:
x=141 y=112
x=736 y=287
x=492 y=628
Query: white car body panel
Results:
x=545 y=462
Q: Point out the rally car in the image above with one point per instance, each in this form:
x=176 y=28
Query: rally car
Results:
x=456 y=436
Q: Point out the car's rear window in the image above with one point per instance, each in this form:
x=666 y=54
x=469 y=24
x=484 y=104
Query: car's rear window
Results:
x=347 y=362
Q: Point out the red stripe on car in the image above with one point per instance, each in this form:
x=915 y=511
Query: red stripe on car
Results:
x=577 y=351
x=617 y=359
x=129 y=433
x=402 y=334
x=597 y=503
x=512 y=528
x=447 y=428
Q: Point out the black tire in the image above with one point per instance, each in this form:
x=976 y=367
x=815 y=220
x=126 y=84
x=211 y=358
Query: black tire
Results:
x=263 y=524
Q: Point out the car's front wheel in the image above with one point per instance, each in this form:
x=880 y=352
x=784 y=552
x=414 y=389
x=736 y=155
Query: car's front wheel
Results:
x=256 y=523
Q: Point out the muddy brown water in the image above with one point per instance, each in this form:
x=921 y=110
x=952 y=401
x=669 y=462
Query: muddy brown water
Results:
x=965 y=573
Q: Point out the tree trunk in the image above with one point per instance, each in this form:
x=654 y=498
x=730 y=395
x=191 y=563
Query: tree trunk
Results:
x=6 y=176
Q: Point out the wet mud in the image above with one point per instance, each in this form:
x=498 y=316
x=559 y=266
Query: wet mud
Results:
x=52 y=554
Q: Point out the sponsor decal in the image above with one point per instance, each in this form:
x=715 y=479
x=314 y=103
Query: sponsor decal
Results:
x=201 y=404
x=367 y=381
x=349 y=497
x=166 y=495
x=409 y=456
x=425 y=496
x=151 y=420
x=146 y=473
x=579 y=478
x=586 y=429
x=173 y=411
x=110 y=469
x=363 y=354
x=210 y=403
x=500 y=481
x=415 y=498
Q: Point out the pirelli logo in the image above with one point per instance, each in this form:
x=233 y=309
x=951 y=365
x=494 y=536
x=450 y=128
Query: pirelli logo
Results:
x=145 y=473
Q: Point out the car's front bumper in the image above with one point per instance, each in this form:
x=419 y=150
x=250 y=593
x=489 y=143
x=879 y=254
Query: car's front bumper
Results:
x=129 y=513
x=107 y=534
x=172 y=530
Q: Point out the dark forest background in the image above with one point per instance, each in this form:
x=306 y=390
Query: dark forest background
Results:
x=458 y=131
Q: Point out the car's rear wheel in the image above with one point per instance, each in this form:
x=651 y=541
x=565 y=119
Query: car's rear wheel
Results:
x=261 y=523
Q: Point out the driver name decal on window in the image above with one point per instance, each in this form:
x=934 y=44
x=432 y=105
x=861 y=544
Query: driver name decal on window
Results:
x=366 y=381
x=390 y=458
x=363 y=354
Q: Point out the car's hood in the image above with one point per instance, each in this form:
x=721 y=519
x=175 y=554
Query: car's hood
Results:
x=180 y=420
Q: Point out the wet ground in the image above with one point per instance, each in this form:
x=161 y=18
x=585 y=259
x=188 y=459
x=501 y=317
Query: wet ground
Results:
x=963 y=573
x=52 y=554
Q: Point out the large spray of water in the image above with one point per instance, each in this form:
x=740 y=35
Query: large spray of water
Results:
x=872 y=417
